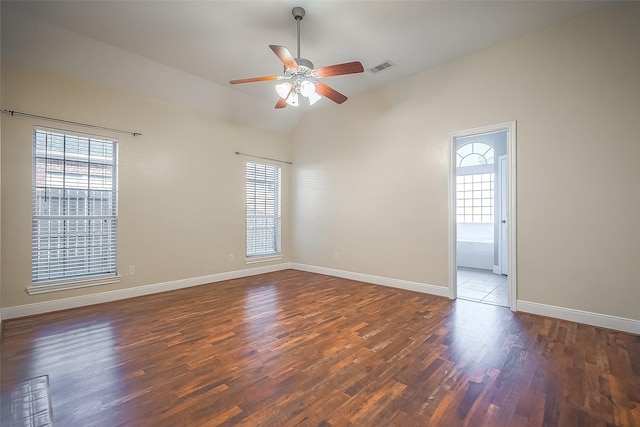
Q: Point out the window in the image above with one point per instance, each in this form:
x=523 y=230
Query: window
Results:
x=74 y=208
x=474 y=154
x=474 y=198
x=263 y=210
x=474 y=187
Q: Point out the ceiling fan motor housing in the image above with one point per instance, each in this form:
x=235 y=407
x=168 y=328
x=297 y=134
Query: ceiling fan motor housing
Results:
x=302 y=62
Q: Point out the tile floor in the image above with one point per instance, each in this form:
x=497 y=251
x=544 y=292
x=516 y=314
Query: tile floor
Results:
x=482 y=285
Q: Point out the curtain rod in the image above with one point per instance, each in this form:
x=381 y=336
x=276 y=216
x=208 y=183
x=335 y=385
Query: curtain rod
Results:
x=53 y=119
x=264 y=158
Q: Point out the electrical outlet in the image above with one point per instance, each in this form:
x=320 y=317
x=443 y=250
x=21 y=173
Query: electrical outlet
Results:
x=231 y=257
x=336 y=255
x=132 y=270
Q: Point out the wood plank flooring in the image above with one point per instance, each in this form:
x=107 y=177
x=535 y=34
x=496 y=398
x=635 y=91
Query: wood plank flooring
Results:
x=294 y=348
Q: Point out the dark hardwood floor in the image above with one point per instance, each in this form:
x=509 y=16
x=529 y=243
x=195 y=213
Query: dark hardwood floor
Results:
x=294 y=348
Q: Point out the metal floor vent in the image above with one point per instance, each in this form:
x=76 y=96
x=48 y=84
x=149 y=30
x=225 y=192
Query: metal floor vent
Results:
x=383 y=66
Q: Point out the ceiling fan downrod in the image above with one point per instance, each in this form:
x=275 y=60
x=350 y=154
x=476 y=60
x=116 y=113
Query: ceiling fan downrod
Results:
x=298 y=14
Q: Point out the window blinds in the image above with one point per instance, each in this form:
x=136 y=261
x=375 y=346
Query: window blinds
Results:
x=263 y=209
x=74 y=225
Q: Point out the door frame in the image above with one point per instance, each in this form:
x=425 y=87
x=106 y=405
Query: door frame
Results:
x=503 y=197
x=510 y=127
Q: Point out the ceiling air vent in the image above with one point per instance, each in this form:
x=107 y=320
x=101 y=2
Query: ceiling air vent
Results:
x=383 y=66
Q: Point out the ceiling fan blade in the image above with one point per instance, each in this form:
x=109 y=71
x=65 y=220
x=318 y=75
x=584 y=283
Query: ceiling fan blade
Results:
x=330 y=93
x=253 y=79
x=340 y=69
x=284 y=55
x=282 y=102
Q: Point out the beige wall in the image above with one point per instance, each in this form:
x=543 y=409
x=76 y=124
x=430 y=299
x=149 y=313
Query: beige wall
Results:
x=181 y=188
x=372 y=186
x=370 y=176
x=0 y=173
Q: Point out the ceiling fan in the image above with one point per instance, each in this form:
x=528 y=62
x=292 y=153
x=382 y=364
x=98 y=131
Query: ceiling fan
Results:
x=300 y=76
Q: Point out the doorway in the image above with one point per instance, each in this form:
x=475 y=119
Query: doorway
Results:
x=482 y=255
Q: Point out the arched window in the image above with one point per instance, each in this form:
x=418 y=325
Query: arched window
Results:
x=475 y=191
x=474 y=154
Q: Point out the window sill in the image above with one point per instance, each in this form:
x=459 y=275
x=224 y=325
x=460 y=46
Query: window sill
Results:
x=264 y=258
x=65 y=285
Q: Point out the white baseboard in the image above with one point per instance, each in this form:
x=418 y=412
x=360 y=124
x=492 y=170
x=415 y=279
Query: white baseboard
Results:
x=589 y=318
x=376 y=280
x=97 y=298
x=586 y=317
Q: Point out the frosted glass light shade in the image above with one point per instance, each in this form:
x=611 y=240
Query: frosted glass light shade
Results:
x=307 y=88
x=283 y=89
x=292 y=99
x=313 y=98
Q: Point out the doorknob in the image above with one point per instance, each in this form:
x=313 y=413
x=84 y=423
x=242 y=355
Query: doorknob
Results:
x=504 y=221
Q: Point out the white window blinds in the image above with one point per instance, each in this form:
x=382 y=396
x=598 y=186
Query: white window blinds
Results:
x=74 y=206
x=263 y=209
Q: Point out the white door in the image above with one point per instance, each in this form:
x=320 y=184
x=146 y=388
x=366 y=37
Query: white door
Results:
x=503 y=251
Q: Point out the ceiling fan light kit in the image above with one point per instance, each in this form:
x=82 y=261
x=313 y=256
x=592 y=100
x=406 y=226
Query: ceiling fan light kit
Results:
x=300 y=76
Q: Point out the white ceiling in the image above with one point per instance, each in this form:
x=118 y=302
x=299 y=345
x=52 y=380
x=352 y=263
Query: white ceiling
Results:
x=201 y=45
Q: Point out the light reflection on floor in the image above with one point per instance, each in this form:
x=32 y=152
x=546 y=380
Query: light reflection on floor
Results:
x=261 y=306
x=67 y=355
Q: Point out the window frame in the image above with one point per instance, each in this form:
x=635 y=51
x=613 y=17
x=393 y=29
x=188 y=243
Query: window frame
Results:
x=77 y=217
x=266 y=203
